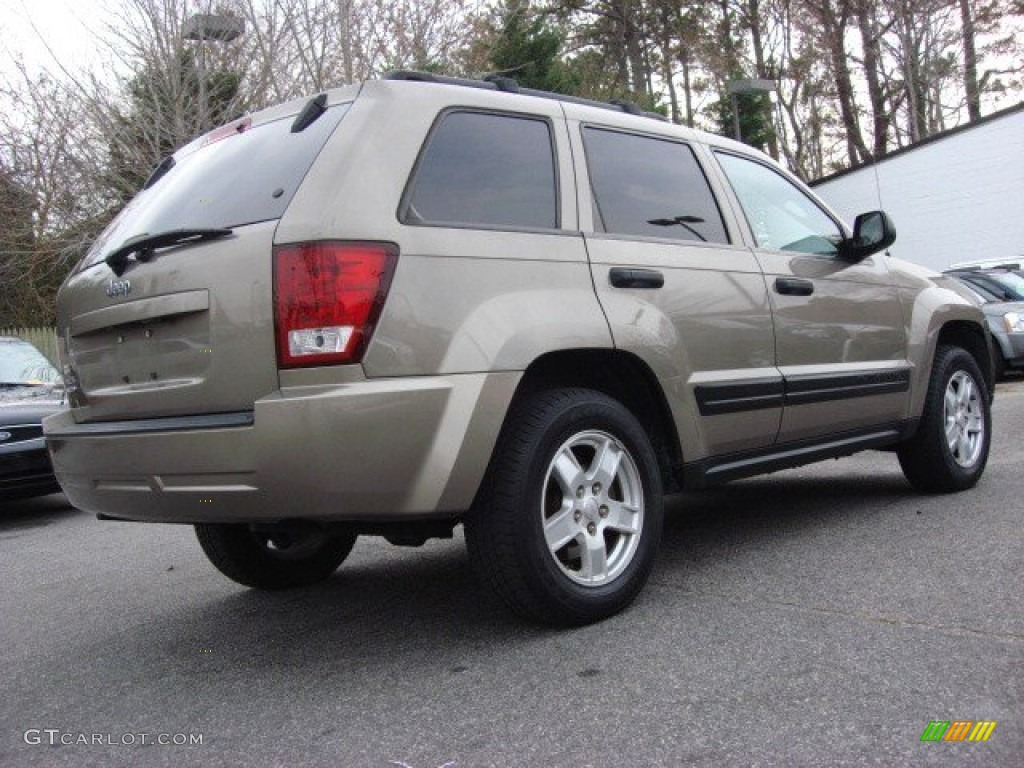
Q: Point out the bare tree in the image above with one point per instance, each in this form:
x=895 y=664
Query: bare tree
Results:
x=50 y=202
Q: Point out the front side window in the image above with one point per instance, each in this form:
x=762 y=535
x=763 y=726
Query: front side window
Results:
x=780 y=215
x=488 y=170
x=650 y=187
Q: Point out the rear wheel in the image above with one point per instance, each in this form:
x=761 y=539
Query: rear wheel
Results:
x=950 y=449
x=274 y=558
x=567 y=526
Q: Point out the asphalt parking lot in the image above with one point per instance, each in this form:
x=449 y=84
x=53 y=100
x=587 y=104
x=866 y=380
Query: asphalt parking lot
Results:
x=820 y=616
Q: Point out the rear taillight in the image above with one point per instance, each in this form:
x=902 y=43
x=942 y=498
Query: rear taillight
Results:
x=327 y=298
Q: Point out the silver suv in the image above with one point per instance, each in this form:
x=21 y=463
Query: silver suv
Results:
x=419 y=302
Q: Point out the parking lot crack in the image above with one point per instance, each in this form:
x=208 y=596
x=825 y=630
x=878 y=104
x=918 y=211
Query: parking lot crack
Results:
x=875 y=618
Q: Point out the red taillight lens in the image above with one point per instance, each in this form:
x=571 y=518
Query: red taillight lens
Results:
x=327 y=298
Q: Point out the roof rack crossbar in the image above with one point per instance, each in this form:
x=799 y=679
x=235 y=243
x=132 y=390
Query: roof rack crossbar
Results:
x=627 y=106
x=510 y=85
x=503 y=83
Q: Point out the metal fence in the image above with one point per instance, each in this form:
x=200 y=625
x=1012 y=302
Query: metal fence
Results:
x=43 y=338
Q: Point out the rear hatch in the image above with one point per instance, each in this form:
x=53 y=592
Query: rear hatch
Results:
x=171 y=312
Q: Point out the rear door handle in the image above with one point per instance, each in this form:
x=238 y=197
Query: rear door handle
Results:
x=621 y=277
x=793 y=286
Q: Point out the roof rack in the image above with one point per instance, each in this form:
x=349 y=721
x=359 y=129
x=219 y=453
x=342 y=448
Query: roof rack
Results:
x=510 y=85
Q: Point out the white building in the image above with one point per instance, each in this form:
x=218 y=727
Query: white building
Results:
x=954 y=197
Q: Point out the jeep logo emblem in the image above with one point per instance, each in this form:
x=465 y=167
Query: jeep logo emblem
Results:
x=119 y=288
x=4 y=437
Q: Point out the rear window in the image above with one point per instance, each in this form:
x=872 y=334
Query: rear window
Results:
x=485 y=170
x=242 y=178
x=648 y=187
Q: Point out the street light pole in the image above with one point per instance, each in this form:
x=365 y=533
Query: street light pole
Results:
x=209 y=26
x=735 y=88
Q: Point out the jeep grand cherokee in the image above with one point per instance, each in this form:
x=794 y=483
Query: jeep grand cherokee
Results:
x=418 y=302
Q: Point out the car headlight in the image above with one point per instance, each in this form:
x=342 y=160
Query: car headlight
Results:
x=1014 y=322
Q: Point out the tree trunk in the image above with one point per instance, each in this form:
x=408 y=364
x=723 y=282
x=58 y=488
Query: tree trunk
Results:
x=869 y=35
x=687 y=89
x=970 y=62
x=754 y=23
x=834 y=28
x=911 y=49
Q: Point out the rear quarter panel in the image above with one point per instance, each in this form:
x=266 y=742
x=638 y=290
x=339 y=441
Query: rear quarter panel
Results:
x=462 y=299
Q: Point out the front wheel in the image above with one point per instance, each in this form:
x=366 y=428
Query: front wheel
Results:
x=568 y=523
x=950 y=449
x=276 y=558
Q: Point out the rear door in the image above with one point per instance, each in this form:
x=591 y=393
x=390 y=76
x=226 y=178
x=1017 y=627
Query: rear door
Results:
x=841 y=341
x=678 y=288
x=188 y=329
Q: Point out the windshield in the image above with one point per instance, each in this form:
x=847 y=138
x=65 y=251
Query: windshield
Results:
x=1013 y=283
x=234 y=177
x=1004 y=286
x=21 y=363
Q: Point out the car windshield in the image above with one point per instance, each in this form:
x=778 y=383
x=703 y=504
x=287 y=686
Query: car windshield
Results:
x=1012 y=282
x=21 y=364
x=1001 y=286
x=983 y=294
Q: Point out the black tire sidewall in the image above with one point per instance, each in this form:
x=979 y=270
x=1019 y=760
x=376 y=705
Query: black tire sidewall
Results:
x=959 y=360
x=239 y=554
x=589 y=411
x=926 y=459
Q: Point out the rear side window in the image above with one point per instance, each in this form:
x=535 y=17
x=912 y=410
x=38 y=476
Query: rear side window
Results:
x=650 y=187
x=234 y=178
x=487 y=170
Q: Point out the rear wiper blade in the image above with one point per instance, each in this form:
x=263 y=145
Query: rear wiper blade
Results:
x=144 y=246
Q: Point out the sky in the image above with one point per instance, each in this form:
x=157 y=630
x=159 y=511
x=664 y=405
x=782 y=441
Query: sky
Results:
x=69 y=28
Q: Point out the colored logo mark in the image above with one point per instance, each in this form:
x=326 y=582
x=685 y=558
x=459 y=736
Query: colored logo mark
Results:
x=958 y=730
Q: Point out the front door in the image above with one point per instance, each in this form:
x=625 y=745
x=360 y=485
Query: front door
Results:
x=840 y=336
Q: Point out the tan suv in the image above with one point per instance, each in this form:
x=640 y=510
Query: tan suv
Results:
x=419 y=302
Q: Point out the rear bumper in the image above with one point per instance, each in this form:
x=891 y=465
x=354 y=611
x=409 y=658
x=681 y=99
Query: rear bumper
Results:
x=386 y=449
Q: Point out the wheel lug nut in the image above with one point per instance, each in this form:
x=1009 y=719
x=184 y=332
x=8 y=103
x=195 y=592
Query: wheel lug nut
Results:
x=577 y=515
x=579 y=492
x=603 y=511
x=591 y=528
x=597 y=488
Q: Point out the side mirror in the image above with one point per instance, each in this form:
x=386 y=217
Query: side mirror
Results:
x=872 y=232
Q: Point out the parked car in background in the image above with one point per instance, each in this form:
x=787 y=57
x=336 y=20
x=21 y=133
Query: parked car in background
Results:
x=30 y=390
x=1005 y=320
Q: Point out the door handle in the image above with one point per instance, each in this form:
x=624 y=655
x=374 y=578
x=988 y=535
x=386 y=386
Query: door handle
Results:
x=793 y=286
x=621 y=277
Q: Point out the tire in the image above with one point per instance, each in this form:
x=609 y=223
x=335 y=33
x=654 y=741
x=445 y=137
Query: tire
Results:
x=567 y=524
x=257 y=558
x=1001 y=366
x=950 y=449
